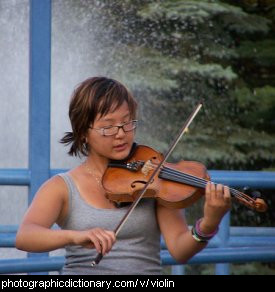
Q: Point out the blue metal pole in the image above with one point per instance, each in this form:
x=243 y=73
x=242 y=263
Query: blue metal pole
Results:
x=224 y=235
x=178 y=270
x=207 y=256
x=253 y=179
x=39 y=102
x=40 y=80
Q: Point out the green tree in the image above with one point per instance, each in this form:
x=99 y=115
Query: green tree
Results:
x=174 y=53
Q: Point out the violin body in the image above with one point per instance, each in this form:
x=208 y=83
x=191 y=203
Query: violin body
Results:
x=176 y=185
x=123 y=184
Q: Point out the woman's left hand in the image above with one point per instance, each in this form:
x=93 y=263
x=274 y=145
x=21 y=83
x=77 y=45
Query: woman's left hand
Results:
x=217 y=203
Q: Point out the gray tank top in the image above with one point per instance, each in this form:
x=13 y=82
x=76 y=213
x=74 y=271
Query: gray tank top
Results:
x=137 y=249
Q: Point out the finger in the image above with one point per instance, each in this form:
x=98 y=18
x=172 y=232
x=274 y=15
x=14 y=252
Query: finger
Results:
x=108 y=240
x=207 y=191
x=219 y=191
x=97 y=243
x=227 y=195
x=103 y=243
x=99 y=240
x=213 y=191
x=112 y=236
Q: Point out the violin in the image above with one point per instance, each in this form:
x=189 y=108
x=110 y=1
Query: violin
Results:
x=176 y=185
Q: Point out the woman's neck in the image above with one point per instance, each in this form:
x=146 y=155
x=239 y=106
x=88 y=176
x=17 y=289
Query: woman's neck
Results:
x=97 y=163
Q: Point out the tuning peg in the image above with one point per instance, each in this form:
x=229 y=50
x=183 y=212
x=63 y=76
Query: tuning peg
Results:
x=260 y=204
x=255 y=194
x=246 y=190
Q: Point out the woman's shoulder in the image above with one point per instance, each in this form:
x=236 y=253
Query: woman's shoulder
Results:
x=56 y=180
x=60 y=181
x=56 y=186
x=63 y=181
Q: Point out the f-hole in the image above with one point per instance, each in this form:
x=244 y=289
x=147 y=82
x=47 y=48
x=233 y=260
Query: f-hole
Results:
x=139 y=182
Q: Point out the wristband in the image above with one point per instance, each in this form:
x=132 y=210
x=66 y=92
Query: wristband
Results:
x=197 y=237
x=204 y=235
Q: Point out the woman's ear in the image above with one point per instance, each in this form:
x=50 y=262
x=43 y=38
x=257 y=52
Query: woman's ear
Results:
x=86 y=144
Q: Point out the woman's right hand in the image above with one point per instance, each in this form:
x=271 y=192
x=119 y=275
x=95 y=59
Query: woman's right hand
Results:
x=100 y=239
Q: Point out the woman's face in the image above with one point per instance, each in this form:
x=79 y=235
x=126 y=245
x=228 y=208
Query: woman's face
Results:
x=117 y=146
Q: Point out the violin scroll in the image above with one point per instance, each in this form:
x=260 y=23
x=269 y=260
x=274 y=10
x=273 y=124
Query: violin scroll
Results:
x=258 y=203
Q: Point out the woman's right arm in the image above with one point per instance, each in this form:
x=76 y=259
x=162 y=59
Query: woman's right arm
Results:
x=49 y=206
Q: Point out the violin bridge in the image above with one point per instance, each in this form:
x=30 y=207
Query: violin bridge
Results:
x=135 y=165
x=147 y=167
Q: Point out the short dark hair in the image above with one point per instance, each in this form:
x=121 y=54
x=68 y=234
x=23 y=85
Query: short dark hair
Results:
x=95 y=95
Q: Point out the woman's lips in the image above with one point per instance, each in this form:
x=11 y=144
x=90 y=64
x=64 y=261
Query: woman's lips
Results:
x=120 y=147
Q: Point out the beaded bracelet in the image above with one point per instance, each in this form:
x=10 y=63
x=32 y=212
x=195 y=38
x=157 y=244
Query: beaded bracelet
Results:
x=199 y=236
x=200 y=233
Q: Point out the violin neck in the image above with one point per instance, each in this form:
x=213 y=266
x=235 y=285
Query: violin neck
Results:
x=181 y=177
x=191 y=180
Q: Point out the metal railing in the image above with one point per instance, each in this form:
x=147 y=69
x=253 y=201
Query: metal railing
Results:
x=243 y=244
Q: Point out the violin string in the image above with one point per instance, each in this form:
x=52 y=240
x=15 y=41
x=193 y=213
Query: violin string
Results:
x=173 y=174
x=202 y=183
x=193 y=180
x=180 y=177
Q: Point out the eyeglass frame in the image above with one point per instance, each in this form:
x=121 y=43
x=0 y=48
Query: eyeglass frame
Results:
x=101 y=130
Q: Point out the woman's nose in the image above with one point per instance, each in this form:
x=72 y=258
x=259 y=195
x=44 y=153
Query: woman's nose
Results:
x=120 y=133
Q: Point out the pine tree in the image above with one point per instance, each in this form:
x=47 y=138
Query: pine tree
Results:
x=173 y=53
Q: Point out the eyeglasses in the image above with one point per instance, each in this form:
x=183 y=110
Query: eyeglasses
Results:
x=113 y=130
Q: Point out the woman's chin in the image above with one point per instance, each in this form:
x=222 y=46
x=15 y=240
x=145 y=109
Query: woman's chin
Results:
x=121 y=155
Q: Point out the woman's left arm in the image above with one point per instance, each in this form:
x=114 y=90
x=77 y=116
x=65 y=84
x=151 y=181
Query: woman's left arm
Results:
x=179 y=239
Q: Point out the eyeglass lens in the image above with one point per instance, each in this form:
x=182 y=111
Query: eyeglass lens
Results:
x=126 y=128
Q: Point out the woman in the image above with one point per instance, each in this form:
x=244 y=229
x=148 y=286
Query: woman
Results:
x=103 y=118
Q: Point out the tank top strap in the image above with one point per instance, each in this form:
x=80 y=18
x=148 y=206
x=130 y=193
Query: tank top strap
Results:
x=71 y=187
x=68 y=180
